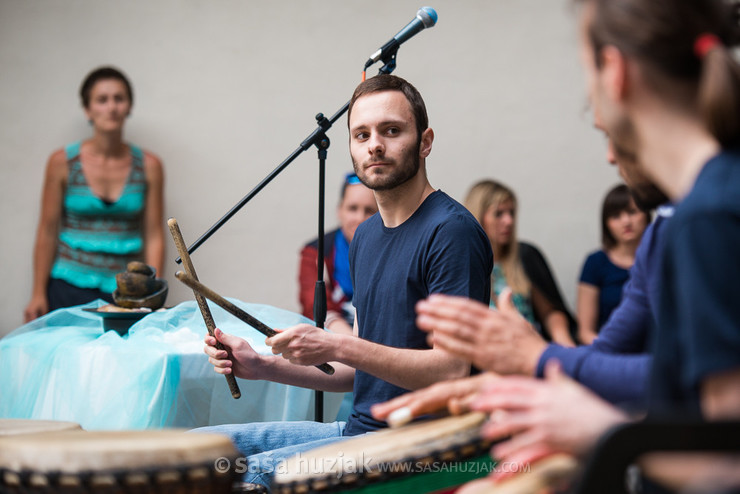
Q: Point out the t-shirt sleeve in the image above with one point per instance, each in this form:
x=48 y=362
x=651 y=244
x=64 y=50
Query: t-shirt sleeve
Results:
x=592 y=272
x=701 y=304
x=460 y=261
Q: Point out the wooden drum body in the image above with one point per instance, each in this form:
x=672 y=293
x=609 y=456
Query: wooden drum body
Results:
x=117 y=461
x=422 y=457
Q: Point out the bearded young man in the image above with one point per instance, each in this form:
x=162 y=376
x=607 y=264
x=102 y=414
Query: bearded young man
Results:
x=420 y=242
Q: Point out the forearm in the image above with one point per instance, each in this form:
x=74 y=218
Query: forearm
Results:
x=43 y=260
x=406 y=368
x=279 y=370
x=619 y=379
x=154 y=251
x=556 y=324
x=587 y=311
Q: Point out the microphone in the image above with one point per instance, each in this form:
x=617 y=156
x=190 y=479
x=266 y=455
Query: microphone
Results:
x=425 y=17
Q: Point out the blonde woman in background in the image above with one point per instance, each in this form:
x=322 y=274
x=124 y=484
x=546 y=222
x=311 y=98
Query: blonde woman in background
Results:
x=518 y=265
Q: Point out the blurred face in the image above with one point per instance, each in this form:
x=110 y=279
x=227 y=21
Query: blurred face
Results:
x=109 y=105
x=498 y=223
x=647 y=194
x=357 y=206
x=608 y=114
x=383 y=140
x=627 y=225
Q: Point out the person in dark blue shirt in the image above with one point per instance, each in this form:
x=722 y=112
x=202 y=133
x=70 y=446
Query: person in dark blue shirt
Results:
x=607 y=270
x=664 y=84
x=420 y=242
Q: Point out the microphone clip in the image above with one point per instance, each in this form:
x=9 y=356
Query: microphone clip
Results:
x=388 y=56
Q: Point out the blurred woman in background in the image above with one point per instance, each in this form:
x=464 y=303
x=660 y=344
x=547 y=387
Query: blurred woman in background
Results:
x=101 y=205
x=606 y=271
x=519 y=265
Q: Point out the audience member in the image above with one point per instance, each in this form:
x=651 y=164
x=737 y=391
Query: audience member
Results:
x=607 y=270
x=101 y=206
x=519 y=265
x=356 y=204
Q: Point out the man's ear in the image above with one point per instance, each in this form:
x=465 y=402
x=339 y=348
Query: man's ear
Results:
x=614 y=73
x=426 y=143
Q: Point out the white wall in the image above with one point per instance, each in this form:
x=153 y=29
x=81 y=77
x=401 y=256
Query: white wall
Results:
x=226 y=89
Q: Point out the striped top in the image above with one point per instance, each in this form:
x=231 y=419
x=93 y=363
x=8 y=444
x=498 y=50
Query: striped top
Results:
x=98 y=238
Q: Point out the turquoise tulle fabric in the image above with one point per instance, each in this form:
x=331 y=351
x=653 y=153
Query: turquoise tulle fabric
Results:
x=63 y=366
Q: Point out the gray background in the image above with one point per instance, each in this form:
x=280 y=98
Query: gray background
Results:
x=226 y=89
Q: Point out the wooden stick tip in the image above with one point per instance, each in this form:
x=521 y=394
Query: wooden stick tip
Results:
x=171 y=222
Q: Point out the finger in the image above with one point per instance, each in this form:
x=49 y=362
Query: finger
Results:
x=381 y=411
x=215 y=353
x=226 y=339
x=220 y=363
x=505 y=303
x=504 y=424
x=485 y=484
x=454 y=328
x=461 y=405
x=522 y=462
x=222 y=370
x=506 y=450
x=451 y=306
x=554 y=371
x=433 y=315
x=461 y=348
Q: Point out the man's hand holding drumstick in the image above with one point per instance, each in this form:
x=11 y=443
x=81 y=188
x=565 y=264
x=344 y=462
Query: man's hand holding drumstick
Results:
x=303 y=345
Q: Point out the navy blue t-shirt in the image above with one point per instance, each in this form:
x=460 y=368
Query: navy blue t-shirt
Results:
x=441 y=248
x=601 y=272
x=699 y=305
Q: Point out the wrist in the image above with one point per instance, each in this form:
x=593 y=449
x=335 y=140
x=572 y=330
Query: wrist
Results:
x=535 y=350
x=340 y=347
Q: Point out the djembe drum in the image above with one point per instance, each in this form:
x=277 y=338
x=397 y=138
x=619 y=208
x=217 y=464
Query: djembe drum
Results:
x=422 y=457
x=13 y=427
x=160 y=461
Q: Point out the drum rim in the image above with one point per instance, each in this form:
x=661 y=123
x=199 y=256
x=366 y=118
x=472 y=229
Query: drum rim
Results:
x=27 y=478
x=473 y=447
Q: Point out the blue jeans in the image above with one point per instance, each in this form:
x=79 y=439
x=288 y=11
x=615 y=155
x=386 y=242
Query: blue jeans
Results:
x=266 y=444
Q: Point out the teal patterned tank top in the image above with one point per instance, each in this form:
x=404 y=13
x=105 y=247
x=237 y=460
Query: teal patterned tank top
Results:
x=522 y=302
x=97 y=238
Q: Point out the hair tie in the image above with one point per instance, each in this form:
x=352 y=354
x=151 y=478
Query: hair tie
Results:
x=705 y=43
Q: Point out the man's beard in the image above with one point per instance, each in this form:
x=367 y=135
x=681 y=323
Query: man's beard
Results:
x=409 y=167
x=647 y=196
x=624 y=140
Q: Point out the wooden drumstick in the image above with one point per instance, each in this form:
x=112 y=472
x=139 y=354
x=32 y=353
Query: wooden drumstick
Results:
x=204 y=310
x=236 y=311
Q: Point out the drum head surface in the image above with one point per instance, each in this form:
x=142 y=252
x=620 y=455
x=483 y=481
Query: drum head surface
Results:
x=12 y=427
x=410 y=442
x=80 y=451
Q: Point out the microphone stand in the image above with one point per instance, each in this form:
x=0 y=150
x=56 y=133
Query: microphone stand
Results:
x=319 y=139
